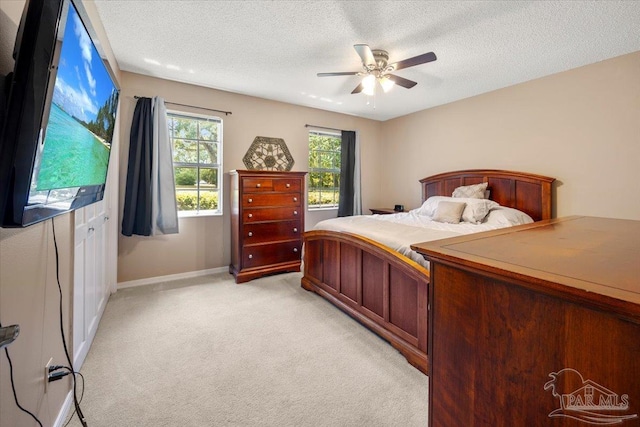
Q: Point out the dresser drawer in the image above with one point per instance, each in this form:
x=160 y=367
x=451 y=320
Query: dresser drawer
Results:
x=270 y=199
x=258 y=185
x=274 y=253
x=270 y=214
x=290 y=185
x=271 y=231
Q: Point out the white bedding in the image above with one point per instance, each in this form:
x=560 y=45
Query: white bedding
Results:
x=399 y=231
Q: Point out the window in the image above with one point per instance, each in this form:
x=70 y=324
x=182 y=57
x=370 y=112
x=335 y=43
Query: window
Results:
x=197 y=163
x=324 y=170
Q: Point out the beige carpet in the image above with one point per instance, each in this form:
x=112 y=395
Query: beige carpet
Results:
x=208 y=352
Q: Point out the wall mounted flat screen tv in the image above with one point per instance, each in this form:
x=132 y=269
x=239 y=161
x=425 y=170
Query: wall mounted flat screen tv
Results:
x=59 y=117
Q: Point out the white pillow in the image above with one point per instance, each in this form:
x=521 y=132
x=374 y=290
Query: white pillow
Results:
x=476 y=191
x=474 y=211
x=504 y=216
x=449 y=212
x=429 y=206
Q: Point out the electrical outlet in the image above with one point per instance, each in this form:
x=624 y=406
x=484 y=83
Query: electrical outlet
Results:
x=46 y=373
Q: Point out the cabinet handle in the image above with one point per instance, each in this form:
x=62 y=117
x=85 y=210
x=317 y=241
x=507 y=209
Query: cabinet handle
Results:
x=250 y=200
x=257 y=185
x=250 y=233
x=295 y=212
x=295 y=249
x=295 y=199
x=250 y=256
x=288 y=185
x=250 y=215
x=295 y=230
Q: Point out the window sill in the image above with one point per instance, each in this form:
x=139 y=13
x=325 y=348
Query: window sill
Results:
x=319 y=208
x=194 y=214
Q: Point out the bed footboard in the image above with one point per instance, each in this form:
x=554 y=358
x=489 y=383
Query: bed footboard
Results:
x=380 y=288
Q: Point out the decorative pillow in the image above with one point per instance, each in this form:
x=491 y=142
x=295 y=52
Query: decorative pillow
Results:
x=474 y=211
x=477 y=209
x=429 y=206
x=507 y=217
x=475 y=191
x=449 y=212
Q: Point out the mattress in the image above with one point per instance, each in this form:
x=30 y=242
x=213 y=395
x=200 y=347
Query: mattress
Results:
x=399 y=231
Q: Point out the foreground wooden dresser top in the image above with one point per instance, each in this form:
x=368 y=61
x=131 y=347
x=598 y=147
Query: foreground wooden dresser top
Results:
x=536 y=325
x=590 y=259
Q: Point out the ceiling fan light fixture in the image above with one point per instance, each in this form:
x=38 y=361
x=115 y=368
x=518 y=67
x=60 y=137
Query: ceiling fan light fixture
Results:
x=386 y=83
x=376 y=69
x=369 y=85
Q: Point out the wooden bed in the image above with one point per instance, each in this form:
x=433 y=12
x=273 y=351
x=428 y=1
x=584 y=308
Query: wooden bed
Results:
x=386 y=291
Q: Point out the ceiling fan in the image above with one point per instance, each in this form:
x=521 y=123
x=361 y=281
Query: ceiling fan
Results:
x=376 y=68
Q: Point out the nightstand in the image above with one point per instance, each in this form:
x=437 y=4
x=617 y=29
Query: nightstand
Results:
x=383 y=211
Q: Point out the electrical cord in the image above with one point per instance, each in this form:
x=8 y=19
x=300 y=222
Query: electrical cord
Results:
x=81 y=396
x=13 y=387
x=55 y=374
x=76 y=402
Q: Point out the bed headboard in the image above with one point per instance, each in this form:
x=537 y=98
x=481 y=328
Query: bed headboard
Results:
x=523 y=191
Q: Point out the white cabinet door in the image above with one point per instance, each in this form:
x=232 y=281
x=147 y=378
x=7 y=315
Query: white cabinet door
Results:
x=91 y=286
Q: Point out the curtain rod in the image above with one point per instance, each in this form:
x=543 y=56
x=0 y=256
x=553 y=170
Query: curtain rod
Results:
x=322 y=127
x=226 y=113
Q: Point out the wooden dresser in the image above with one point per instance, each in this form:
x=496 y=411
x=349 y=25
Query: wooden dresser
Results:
x=536 y=325
x=267 y=222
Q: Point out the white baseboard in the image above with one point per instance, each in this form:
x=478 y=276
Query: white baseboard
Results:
x=170 y=277
x=64 y=410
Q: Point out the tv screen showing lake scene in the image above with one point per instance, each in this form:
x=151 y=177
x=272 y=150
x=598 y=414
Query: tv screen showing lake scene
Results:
x=79 y=129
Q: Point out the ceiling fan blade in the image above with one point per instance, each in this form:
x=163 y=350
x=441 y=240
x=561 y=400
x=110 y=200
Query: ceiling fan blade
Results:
x=365 y=54
x=358 y=89
x=416 y=60
x=400 y=81
x=343 y=73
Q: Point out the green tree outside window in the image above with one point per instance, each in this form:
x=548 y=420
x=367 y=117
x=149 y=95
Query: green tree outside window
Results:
x=197 y=161
x=324 y=170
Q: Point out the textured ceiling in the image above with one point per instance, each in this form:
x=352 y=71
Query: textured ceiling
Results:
x=273 y=49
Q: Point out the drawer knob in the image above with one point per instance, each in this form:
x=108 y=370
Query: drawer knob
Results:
x=257 y=185
x=295 y=199
x=288 y=185
x=250 y=200
x=295 y=249
x=250 y=215
x=295 y=212
x=295 y=230
x=250 y=256
x=250 y=233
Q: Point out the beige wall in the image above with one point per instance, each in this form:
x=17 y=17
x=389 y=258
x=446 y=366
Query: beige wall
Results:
x=29 y=297
x=203 y=243
x=28 y=289
x=581 y=126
